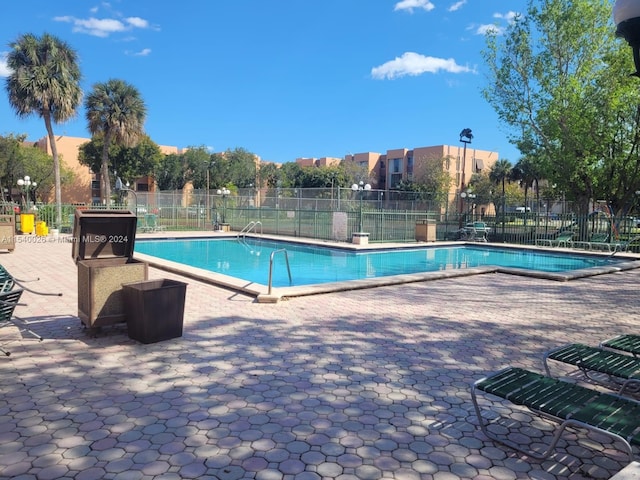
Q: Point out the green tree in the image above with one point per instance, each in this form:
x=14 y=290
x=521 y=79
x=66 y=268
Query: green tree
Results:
x=499 y=174
x=559 y=78
x=10 y=160
x=197 y=167
x=527 y=173
x=430 y=178
x=45 y=81
x=129 y=162
x=169 y=172
x=116 y=110
x=267 y=175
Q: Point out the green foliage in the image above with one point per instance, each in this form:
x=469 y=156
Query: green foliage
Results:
x=169 y=172
x=197 y=164
x=129 y=162
x=116 y=111
x=45 y=81
x=18 y=160
x=559 y=79
x=429 y=178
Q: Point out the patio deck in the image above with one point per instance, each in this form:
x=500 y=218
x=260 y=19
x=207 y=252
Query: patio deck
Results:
x=360 y=384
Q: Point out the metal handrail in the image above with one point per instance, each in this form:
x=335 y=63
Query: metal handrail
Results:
x=286 y=257
x=248 y=227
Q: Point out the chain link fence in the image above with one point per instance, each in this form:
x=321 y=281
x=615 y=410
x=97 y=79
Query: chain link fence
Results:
x=336 y=214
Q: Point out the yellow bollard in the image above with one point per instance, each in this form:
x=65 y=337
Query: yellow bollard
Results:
x=41 y=229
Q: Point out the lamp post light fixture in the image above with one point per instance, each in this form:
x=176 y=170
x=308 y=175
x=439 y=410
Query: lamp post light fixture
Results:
x=626 y=15
x=469 y=197
x=26 y=185
x=224 y=192
x=120 y=187
x=360 y=188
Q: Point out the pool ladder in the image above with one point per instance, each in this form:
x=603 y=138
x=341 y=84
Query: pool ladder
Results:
x=241 y=237
x=248 y=228
x=286 y=257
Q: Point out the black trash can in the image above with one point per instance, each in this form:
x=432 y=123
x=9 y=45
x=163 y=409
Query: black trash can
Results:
x=154 y=309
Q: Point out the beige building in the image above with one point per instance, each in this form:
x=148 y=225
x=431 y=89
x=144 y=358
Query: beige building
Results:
x=85 y=188
x=389 y=169
x=318 y=162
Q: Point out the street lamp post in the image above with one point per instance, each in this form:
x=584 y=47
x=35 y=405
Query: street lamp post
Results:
x=360 y=188
x=125 y=188
x=26 y=185
x=465 y=137
x=224 y=192
x=469 y=197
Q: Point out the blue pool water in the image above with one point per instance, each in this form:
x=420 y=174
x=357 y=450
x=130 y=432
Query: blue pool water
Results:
x=249 y=259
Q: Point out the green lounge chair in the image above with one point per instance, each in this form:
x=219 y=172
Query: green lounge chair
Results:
x=628 y=343
x=621 y=371
x=151 y=224
x=8 y=302
x=598 y=241
x=563 y=239
x=569 y=404
x=8 y=282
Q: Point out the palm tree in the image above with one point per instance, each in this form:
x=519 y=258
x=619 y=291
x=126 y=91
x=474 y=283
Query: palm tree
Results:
x=500 y=173
x=528 y=174
x=115 y=110
x=45 y=81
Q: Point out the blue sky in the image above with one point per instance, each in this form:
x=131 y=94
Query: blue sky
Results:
x=281 y=78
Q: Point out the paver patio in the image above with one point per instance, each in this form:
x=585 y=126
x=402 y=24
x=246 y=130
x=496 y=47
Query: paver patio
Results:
x=362 y=384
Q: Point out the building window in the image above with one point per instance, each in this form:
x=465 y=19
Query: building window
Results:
x=95 y=184
x=410 y=166
x=396 y=165
x=395 y=179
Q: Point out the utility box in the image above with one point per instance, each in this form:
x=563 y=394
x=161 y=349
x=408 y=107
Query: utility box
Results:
x=8 y=232
x=155 y=309
x=102 y=248
x=425 y=231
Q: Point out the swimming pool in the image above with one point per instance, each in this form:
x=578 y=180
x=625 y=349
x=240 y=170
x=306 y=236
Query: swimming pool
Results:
x=248 y=260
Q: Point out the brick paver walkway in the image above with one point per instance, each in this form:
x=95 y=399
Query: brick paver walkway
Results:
x=361 y=384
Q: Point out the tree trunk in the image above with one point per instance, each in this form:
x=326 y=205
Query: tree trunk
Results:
x=56 y=168
x=105 y=183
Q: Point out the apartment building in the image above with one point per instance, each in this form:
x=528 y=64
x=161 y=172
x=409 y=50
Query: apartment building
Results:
x=318 y=162
x=388 y=169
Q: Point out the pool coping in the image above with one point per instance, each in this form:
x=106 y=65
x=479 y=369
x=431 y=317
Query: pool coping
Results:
x=263 y=295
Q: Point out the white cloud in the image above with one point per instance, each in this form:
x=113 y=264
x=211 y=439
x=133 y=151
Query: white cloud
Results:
x=411 y=4
x=495 y=28
x=142 y=53
x=457 y=5
x=413 y=64
x=4 y=69
x=102 y=27
x=509 y=16
x=489 y=28
x=137 y=22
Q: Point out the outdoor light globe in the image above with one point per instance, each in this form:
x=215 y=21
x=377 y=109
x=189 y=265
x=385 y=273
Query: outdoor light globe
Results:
x=626 y=15
x=20 y=182
x=354 y=187
x=367 y=187
x=624 y=10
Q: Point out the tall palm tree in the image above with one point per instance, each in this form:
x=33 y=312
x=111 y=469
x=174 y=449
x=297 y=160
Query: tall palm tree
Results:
x=45 y=81
x=528 y=174
x=115 y=110
x=500 y=173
